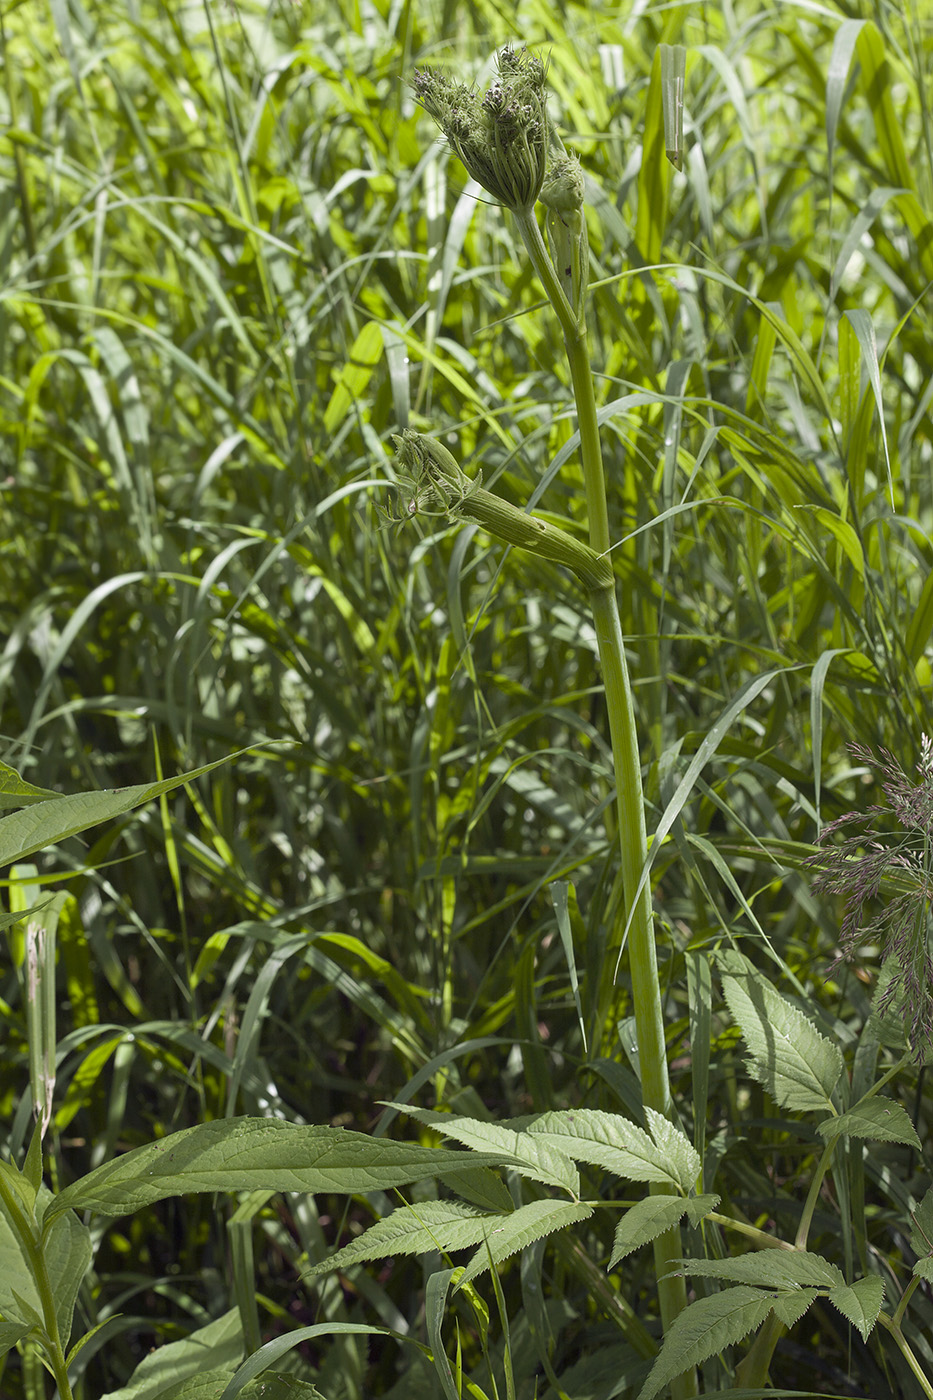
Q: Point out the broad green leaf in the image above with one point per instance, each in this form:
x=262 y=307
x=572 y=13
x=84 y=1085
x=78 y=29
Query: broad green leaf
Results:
x=47 y=823
x=877 y=1119
x=16 y=792
x=67 y=1250
x=203 y=1385
x=700 y=1206
x=860 y=1302
x=11 y=1332
x=523 y=1227
x=17 y=1181
x=644 y=1222
x=798 y=1066
x=610 y=1141
x=443 y=1225
x=678 y=1152
x=257 y=1154
x=542 y=1161
x=702 y=1329
x=921 y=1234
x=217 y=1348
x=790 y=1307
x=771 y=1268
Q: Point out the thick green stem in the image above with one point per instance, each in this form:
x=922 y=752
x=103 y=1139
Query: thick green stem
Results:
x=643 y=966
x=752 y=1370
x=633 y=844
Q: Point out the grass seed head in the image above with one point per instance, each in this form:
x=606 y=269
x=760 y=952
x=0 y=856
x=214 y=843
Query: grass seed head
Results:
x=886 y=879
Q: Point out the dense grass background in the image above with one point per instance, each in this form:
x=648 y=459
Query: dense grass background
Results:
x=235 y=259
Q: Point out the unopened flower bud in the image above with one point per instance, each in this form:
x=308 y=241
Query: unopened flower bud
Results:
x=435 y=470
x=501 y=138
x=562 y=195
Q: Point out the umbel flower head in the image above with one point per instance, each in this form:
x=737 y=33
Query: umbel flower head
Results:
x=502 y=137
x=886 y=877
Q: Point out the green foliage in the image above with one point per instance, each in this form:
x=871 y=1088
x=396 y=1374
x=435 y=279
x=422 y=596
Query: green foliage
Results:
x=235 y=262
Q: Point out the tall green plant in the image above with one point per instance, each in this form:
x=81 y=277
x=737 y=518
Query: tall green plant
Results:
x=505 y=141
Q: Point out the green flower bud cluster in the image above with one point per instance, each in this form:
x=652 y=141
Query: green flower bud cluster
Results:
x=435 y=470
x=502 y=137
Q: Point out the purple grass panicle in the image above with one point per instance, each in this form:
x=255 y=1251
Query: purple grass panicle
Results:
x=883 y=867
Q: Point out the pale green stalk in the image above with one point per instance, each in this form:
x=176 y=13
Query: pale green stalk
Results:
x=633 y=841
x=503 y=141
x=907 y=1352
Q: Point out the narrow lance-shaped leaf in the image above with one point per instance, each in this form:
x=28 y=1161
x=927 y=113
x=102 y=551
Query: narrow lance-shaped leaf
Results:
x=651 y=1217
x=874 y=1119
x=47 y=823
x=258 y=1154
x=704 y=1328
x=522 y=1228
x=616 y=1144
x=418 y=1229
x=541 y=1161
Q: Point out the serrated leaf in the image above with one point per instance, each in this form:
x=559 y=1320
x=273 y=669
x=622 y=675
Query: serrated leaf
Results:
x=924 y=1268
x=921 y=1234
x=523 y=1227
x=860 y=1302
x=700 y=1206
x=797 y=1065
x=789 y=1308
x=644 y=1222
x=257 y=1154
x=444 y=1225
x=216 y=1348
x=610 y=1141
x=771 y=1268
x=677 y=1149
x=877 y=1119
x=542 y=1161
x=702 y=1329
